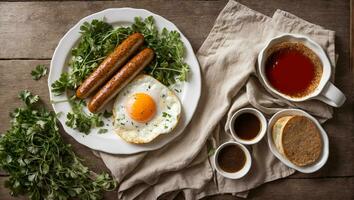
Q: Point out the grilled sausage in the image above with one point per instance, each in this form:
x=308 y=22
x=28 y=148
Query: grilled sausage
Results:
x=121 y=79
x=110 y=65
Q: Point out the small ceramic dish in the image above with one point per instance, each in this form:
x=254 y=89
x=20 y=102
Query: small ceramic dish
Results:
x=262 y=131
x=325 y=91
x=325 y=146
x=235 y=175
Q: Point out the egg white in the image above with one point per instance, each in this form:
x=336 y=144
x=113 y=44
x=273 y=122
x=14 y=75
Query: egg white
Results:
x=168 y=110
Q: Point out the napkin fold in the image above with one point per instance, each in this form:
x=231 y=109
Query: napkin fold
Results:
x=229 y=82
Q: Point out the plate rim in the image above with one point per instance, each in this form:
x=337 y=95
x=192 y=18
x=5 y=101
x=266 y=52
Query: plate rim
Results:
x=67 y=35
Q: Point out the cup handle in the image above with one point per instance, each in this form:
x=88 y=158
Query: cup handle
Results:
x=331 y=95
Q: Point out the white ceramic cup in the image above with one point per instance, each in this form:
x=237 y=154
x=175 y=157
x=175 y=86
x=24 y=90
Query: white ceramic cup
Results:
x=235 y=175
x=263 y=125
x=325 y=90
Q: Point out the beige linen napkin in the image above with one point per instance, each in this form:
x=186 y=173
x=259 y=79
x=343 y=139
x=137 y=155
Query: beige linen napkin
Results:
x=227 y=60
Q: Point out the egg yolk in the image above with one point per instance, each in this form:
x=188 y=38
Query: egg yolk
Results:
x=141 y=107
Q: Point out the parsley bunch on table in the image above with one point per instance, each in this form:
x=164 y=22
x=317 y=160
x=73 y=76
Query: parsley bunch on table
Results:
x=39 y=163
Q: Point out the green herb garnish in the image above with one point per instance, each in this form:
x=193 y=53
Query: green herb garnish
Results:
x=107 y=114
x=102 y=130
x=63 y=83
x=100 y=38
x=38 y=161
x=165 y=114
x=39 y=72
x=79 y=120
x=211 y=151
x=28 y=98
x=178 y=90
x=168 y=64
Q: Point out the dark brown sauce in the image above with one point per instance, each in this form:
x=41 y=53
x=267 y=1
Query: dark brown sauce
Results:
x=247 y=126
x=231 y=158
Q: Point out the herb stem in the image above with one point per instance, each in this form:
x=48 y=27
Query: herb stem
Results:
x=168 y=69
x=83 y=62
x=98 y=59
x=153 y=69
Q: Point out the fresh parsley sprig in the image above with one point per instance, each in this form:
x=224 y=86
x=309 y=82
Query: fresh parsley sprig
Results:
x=39 y=72
x=38 y=161
x=78 y=119
x=28 y=98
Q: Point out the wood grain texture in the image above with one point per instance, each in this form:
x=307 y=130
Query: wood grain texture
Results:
x=352 y=36
x=30 y=31
x=301 y=189
x=35 y=22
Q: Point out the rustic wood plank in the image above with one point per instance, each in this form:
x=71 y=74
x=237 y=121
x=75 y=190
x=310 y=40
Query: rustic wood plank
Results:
x=351 y=35
x=45 y=23
x=341 y=188
x=306 y=189
x=5 y=193
x=33 y=29
x=325 y=189
x=39 y=25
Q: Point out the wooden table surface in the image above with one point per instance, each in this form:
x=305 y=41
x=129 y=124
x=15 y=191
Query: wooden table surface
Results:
x=30 y=31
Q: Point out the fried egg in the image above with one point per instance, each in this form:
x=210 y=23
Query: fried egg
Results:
x=145 y=109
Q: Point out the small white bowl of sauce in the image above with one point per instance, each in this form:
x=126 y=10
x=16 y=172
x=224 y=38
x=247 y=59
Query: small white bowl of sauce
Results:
x=232 y=160
x=248 y=126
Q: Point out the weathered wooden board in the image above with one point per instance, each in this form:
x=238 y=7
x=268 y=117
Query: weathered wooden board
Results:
x=33 y=29
x=30 y=31
x=326 y=188
x=301 y=189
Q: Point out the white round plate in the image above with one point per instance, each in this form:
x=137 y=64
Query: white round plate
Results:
x=325 y=147
x=111 y=142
